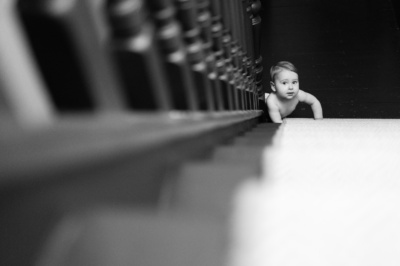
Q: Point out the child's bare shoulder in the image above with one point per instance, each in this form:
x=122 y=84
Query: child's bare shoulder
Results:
x=302 y=95
x=271 y=101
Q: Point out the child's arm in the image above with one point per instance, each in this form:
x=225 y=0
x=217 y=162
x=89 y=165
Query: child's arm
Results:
x=313 y=102
x=273 y=112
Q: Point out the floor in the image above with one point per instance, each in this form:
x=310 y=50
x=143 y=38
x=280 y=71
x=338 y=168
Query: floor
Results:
x=328 y=195
x=347 y=53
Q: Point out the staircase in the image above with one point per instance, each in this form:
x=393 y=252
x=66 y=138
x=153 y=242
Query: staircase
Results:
x=328 y=195
x=108 y=110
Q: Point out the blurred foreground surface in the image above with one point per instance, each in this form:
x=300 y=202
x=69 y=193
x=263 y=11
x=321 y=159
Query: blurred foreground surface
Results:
x=329 y=195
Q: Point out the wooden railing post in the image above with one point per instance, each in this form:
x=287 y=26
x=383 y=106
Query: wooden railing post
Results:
x=187 y=15
x=253 y=53
x=205 y=22
x=68 y=50
x=220 y=50
x=237 y=47
x=237 y=52
x=256 y=22
x=230 y=49
x=242 y=50
x=174 y=54
x=247 y=56
x=137 y=56
x=23 y=94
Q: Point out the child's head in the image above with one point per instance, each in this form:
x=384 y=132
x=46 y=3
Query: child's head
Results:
x=282 y=65
x=285 y=80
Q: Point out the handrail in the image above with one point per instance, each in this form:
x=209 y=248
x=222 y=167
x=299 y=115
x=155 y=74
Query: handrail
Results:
x=77 y=142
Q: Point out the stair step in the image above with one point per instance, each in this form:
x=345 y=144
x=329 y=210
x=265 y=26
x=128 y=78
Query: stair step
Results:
x=261 y=141
x=237 y=153
x=260 y=136
x=271 y=126
x=209 y=187
x=132 y=237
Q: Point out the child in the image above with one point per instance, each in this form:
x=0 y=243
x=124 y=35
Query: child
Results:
x=286 y=93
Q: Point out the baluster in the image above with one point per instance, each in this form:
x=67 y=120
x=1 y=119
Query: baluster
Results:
x=244 y=43
x=187 y=15
x=205 y=23
x=136 y=55
x=217 y=48
x=256 y=22
x=222 y=52
x=251 y=55
x=74 y=65
x=23 y=95
x=229 y=52
x=244 y=58
x=248 y=55
x=223 y=79
x=237 y=51
x=249 y=23
x=177 y=67
x=231 y=55
x=233 y=30
x=238 y=46
x=99 y=15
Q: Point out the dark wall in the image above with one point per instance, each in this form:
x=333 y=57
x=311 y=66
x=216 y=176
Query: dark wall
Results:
x=347 y=53
x=396 y=7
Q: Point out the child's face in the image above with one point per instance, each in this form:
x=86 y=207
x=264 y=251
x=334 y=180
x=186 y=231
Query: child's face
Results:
x=286 y=84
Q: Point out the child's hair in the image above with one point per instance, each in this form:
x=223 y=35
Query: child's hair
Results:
x=281 y=66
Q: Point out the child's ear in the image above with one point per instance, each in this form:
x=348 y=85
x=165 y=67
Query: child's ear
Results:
x=273 y=86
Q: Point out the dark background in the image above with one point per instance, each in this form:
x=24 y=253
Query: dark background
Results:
x=347 y=53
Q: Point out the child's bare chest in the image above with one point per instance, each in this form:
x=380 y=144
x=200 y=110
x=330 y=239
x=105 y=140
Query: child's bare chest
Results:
x=287 y=108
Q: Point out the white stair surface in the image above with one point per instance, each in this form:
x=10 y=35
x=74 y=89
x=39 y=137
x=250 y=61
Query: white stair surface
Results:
x=329 y=194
